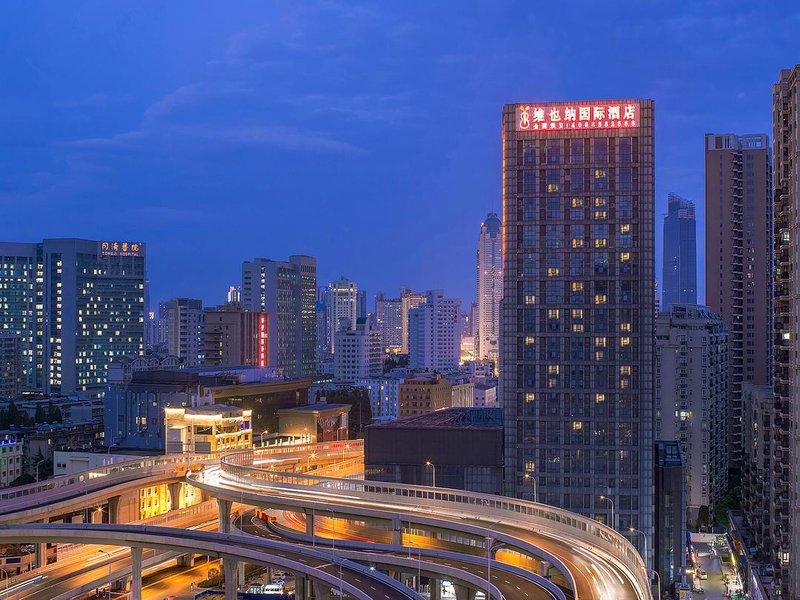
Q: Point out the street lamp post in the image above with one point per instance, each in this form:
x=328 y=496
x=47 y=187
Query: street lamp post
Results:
x=644 y=538
x=532 y=477
x=649 y=575
x=658 y=578
x=37 y=469
x=262 y=437
x=109 y=571
x=5 y=573
x=611 y=502
x=490 y=547
x=433 y=467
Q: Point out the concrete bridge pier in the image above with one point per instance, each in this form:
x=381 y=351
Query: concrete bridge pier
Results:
x=309 y=522
x=546 y=569
x=224 y=507
x=136 y=573
x=174 y=494
x=301 y=587
x=229 y=569
x=463 y=592
x=397 y=530
x=240 y=575
x=113 y=509
x=186 y=560
x=41 y=555
x=435 y=589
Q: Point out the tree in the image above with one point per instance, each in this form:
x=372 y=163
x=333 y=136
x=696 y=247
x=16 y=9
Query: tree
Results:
x=40 y=416
x=703 y=518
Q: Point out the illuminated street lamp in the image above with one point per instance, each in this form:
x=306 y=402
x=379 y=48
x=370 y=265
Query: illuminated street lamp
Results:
x=433 y=467
x=532 y=477
x=611 y=502
x=109 y=571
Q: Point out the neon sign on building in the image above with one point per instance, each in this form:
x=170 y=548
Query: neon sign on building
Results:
x=262 y=340
x=548 y=117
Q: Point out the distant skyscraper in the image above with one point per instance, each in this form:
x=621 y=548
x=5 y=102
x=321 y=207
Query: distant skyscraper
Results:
x=361 y=305
x=342 y=309
x=184 y=323
x=77 y=304
x=786 y=457
x=408 y=299
x=576 y=356
x=234 y=294
x=739 y=263
x=691 y=398
x=358 y=353
x=434 y=333
x=490 y=288
x=679 y=271
x=389 y=318
x=10 y=365
x=287 y=292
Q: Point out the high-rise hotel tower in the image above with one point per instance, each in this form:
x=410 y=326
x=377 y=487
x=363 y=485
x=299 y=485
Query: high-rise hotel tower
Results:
x=576 y=363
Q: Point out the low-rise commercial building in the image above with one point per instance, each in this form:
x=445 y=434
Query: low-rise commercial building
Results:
x=485 y=395
x=235 y=337
x=315 y=423
x=206 y=429
x=423 y=393
x=11 y=458
x=459 y=448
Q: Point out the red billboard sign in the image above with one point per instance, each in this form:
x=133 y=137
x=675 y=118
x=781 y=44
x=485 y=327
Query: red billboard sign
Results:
x=553 y=117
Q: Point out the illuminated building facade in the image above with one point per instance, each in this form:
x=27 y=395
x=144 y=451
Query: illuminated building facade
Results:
x=434 y=333
x=739 y=270
x=342 y=309
x=691 y=397
x=10 y=365
x=389 y=318
x=408 y=299
x=77 y=304
x=287 y=292
x=358 y=353
x=184 y=329
x=576 y=357
x=786 y=382
x=490 y=289
x=205 y=429
x=235 y=337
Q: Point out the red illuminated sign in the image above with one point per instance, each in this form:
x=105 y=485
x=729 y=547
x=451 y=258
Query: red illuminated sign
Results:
x=548 y=117
x=262 y=341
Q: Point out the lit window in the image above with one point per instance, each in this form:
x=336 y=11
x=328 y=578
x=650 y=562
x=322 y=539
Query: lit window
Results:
x=600 y=243
x=552 y=382
x=625 y=228
x=624 y=256
x=577 y=425
x=577 y=286
x=625 y=370
x=624 y=383
x=530 y=340
x=624 y=341
x=552 y=369
x=599 y=173
x=599 y=398
x=600 y=215
x=600 y=299
x=577 y=313
x=552 y=187
x=530 y=299
x=553 y=271
x=553 y=313
x=625 y=326
x=577 y=328
x=577 y=242
x=599 y=355
x=577 y=202
x=530 y=396
x=600 y=342
x=599 y=201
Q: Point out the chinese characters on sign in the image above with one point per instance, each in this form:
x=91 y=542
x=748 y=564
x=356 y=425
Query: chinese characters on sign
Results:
x=592 y=116
x=121 y=248
x=262 y=341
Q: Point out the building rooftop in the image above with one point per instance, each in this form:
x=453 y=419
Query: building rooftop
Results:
x=450 y=418
x=318 y=407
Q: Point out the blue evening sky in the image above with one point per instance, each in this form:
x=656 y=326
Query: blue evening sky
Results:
x=366 y=134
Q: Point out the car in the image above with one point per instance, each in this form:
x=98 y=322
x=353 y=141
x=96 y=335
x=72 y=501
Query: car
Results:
x=701 y=573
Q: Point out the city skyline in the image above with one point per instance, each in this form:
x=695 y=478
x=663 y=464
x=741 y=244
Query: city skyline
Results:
x=161 y=152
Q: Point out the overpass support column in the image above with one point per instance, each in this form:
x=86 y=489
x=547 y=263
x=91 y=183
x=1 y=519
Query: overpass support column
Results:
x=136 y=573
x=41 y=555
x=113 y=509
x=240 y=575
x=224 y=507
x=463 y=592
x=309 y=522
x=397 y=530
x=229 y=568
x=546 y=569
x=300 y=584
x=435 y=589
x=174 y=494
